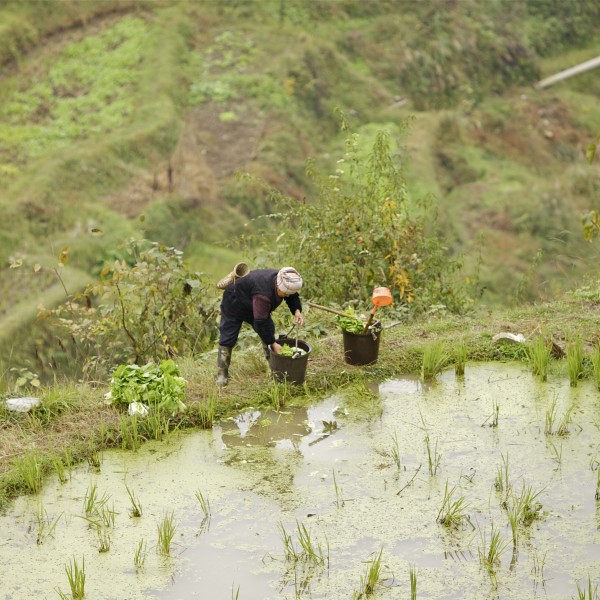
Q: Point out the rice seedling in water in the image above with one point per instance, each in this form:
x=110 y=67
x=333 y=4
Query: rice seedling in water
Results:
x=413 y=582
x=490 y=552
x=502 y=483
x=597 y=496
x=103 y=542
x=494 y=417
x=136 y=506
x=91 y=502
x=587 y=592
x=596 y=365
x=395 y=451
x=107 y=516
x=205 y=506
x=45 y=527
x=550 y=418
x=339 y=501
x=538 y=565
x=140 y=555
x=30 y=472
x=460 y=359
x=433 y=458
x=435 y=357
x=61 y=472
x=94 y=458
x=289 y=550
x=513 y=521
x=539 y=354
x=372 y=578
x=76 y=578
x=307 y=552
x=563 y=426
x=166 y=533
x=102 y=518
x=527 y=508
x=453 y=513
x=310 y=552
x=557 y=458
x=574 y=360
x=236 y=595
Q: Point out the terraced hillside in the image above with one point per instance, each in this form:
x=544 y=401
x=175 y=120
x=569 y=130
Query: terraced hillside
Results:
x=122 y=118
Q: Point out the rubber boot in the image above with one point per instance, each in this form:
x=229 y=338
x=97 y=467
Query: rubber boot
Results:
x=223 y=361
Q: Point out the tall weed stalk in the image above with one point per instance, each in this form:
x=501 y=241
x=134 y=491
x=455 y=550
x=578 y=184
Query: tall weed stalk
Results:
x=575 y=360
x=460 y=359
x=540 y=358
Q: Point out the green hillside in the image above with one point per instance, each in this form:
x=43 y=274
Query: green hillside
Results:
x=124 y=119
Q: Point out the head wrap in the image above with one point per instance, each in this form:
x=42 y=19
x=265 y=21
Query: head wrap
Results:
x=289 y=280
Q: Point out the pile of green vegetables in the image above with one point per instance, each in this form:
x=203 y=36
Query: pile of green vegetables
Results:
x=160 y=386
x=292 y=351
x=351 y=324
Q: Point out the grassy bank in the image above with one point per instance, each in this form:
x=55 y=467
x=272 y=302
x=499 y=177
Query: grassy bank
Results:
x=73 y=424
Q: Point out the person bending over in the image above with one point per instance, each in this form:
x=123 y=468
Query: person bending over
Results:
x=251 y=299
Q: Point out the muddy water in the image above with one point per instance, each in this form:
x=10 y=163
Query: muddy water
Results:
x=265 y=471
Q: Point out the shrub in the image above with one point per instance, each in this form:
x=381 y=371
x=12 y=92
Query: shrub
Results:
x=358 y=234
x=149 y=307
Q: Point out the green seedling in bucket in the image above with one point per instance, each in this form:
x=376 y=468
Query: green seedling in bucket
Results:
x=292 y=351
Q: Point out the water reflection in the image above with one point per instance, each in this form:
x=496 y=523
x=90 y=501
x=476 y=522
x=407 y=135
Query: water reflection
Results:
x=266 y=427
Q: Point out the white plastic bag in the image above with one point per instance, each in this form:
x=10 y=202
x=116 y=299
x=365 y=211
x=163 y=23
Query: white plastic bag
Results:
x=137 y=408
x=22 y=404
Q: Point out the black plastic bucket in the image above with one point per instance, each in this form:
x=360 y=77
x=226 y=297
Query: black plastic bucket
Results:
x=286 y=368
x=361 y=348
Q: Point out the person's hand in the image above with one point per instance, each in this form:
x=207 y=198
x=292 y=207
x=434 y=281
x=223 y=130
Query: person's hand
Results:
x=275 y=347
x=299 y=318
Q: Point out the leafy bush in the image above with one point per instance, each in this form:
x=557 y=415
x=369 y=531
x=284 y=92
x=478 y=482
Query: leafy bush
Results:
x=160 y=386
x=147 y=308
x=357 y=234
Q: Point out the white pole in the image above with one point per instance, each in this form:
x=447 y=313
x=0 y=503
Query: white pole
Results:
x=576 y=70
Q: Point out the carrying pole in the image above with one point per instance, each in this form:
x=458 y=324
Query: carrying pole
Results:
x=331 y=310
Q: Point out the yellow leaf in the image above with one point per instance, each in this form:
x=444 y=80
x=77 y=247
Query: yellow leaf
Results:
x=36 y=267
x=64 y=256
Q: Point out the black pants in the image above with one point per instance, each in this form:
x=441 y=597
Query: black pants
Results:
x=231 y=320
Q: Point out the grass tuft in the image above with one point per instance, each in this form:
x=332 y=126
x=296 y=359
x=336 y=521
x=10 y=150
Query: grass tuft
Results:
x=435 y=357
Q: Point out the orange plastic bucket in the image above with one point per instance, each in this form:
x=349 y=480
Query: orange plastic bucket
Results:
x=382 y=296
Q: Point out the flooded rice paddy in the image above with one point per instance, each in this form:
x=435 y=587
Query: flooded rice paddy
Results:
x=352 y=478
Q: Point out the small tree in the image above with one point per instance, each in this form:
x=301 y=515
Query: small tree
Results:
x=149 y=307
x=357 y=234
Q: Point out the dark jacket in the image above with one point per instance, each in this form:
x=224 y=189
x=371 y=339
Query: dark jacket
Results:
x=253 y=298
